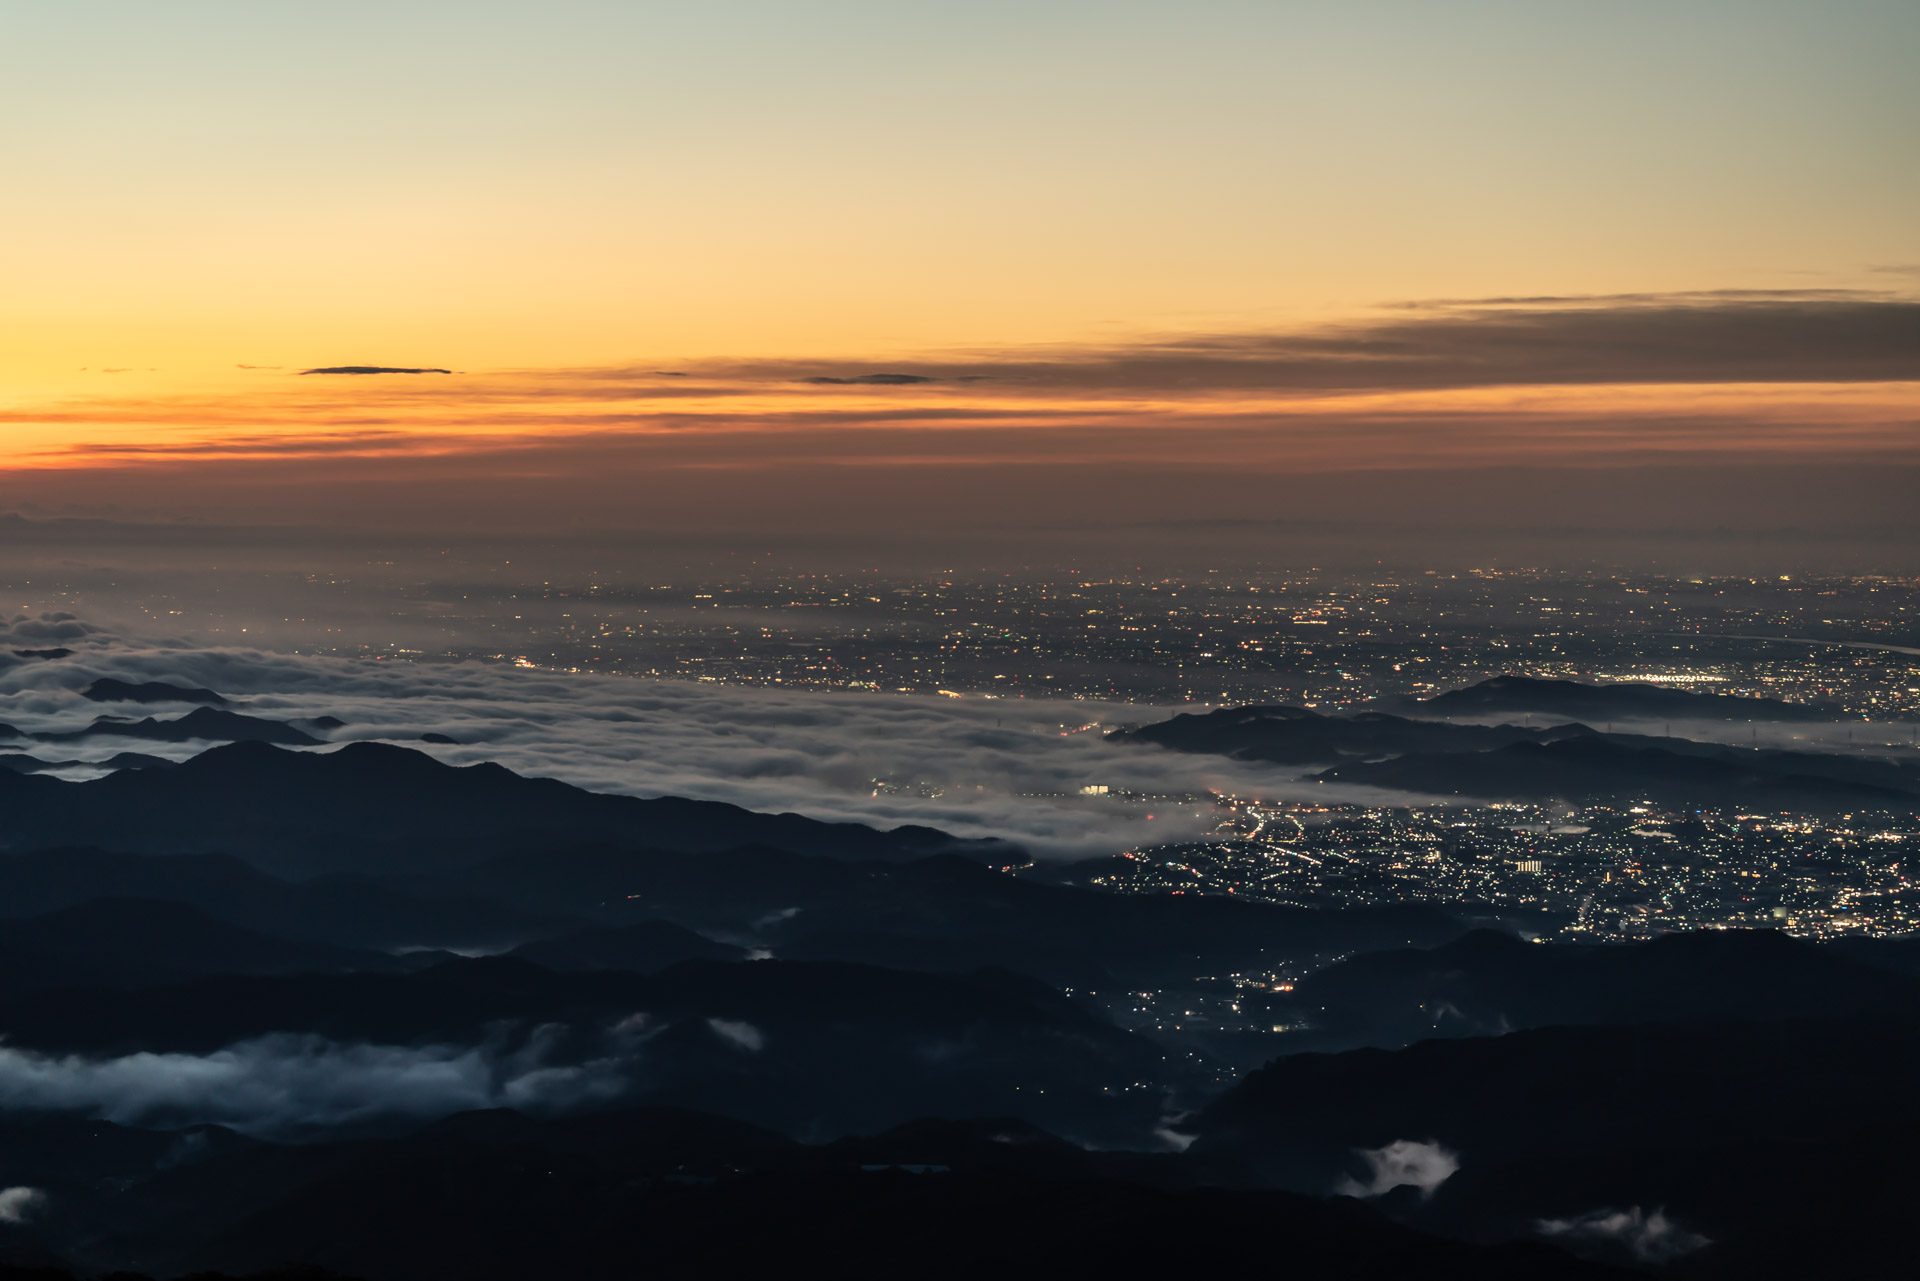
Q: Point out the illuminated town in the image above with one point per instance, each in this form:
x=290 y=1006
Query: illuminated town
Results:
x=1593 y=873
x=1318 y=640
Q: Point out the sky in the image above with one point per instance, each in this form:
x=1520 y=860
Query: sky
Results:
x=857 y=269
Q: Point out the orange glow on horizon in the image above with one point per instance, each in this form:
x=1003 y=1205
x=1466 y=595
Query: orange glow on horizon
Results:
x=719 y=422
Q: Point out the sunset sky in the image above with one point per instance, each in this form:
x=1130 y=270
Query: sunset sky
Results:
x=752 y=265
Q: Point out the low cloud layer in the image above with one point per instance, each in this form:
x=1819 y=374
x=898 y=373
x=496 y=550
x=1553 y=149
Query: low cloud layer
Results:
x=1009 y=768
x=21 y=1204
x=1648 y=1237
x=739 y=1034
x=1402 y=1163
x=286 y=1086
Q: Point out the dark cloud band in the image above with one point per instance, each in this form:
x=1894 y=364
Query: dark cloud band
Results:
x=371 y=369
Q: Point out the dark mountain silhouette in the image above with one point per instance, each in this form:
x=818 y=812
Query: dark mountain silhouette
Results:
x=207 y=723
x=845 y=1222
x=492 y=1196
x=51 y=1270
x=1627 y=700
x=1297 y=736
x=136 y=760
x=27 y=763
x=128 y=943
x=1899 y=955
x=944 y=913
x=1750 y=1085
x=1583 y=770
x=374 y=807
x=109 y=690
x=45 y=654
x=810 y=1049
x=66 y=1154
x=1488 y=983
x=346 y=911
x=1743 y=1133
x=644 y=947
x=1870 y=771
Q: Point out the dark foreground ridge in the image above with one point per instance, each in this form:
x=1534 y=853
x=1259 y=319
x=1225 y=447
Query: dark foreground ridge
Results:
x=736 y=1044
x=499 y=1196
x=1735 y=1133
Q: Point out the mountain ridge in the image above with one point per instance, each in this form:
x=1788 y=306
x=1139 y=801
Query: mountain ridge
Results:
x=375 y=807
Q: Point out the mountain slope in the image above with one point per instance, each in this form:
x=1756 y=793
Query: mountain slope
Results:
x=1488 y=983
x=501 y=1196
x=206 y=723
x=144 y=943
x=941 y=913
x=374 y=807
x=810 y=1049
x=350 y=912
x=1764 y=1146
x=1297 y=736
x=109 y=690
x=643 y=947
x=1597 y=769
x=1622 y=701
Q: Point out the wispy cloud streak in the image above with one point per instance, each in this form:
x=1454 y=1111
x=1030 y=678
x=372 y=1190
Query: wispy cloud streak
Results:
x=1624 y=378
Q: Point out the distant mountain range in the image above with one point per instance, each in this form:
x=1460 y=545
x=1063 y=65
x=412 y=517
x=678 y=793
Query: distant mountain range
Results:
x=370 y=807
x=1621 y=701
x=1567 y=761
x=208 y=723
x=27 y=763
x=205 y=724
x=1592 y=769
x=109 y=690
x=1298 y=736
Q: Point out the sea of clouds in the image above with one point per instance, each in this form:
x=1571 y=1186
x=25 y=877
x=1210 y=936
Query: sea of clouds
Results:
x=1010 y=768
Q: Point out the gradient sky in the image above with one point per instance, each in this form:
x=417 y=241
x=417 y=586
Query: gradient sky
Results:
x=1147 y=235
